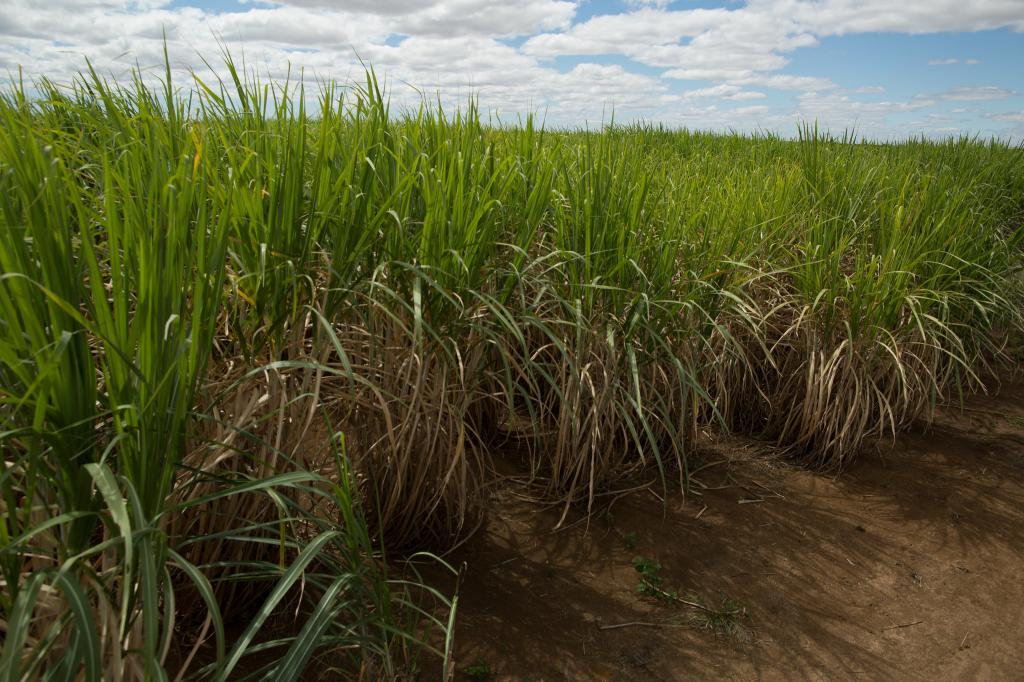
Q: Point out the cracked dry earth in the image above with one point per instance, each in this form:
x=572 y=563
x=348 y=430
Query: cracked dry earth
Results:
x=910 y=565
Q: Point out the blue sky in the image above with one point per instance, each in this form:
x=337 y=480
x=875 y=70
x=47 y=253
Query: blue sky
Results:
x=888 y=70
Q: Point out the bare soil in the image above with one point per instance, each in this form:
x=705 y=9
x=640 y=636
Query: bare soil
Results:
x=909 y=565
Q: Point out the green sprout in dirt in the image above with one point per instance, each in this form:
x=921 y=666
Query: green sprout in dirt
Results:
x=479 y=671
x=651 y=583
x=723 y=619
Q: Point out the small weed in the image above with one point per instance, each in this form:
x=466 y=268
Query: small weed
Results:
x=479 y=671
x=630 y=539
x=724 y=619
x=651 y=583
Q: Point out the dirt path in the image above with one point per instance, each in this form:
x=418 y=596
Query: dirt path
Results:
x=908 y=566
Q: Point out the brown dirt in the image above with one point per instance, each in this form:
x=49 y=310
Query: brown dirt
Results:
x=909 y=565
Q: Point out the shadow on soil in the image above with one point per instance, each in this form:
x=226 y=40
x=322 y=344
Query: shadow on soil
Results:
x=908 y=565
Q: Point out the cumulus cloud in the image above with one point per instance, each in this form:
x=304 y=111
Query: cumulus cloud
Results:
x=704 y=44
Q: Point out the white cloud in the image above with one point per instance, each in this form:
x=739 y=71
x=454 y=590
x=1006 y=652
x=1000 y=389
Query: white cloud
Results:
x=1012 y=116
x=724 y=91
x=978 y=93
x=626 y=33
x=700 y=44
x=944 y=62
x=745 y=111
x=837 y=110
x=661 y=4
x=452 y=17
x=839 y=17
x=788 y=82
